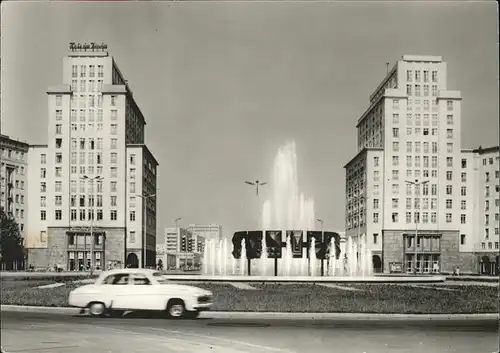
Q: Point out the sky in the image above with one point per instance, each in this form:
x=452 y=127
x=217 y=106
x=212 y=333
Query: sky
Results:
x=223 y=85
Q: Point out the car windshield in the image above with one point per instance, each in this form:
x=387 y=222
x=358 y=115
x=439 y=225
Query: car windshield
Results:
x=160 y=278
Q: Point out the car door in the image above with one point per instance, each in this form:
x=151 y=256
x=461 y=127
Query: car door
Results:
x=116 y=290
x=144 y=294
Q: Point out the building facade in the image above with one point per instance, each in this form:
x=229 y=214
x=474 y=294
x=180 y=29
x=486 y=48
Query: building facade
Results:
x=204 y=233
x=13 y=188
x=183 y=244
x=405 y=187
x=92 y=184
x=13 y=179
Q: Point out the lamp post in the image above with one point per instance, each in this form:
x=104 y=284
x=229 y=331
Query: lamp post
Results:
x=416 y=183
x=322 y=240
x=144 y=229
x=93 y=213
x=258 y=183
x=358 y=199
x=178 y=232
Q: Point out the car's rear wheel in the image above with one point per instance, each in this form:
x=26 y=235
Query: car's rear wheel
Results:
x=97 y=309
x=176 y=309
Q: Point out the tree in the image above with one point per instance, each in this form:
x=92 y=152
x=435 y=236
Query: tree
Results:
x=11 y=243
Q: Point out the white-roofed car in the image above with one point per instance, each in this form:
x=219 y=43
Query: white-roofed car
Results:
x=133 y=289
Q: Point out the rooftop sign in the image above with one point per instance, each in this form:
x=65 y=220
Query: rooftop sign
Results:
x=92 y=46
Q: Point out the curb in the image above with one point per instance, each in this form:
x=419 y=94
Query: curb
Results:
x=294 y=316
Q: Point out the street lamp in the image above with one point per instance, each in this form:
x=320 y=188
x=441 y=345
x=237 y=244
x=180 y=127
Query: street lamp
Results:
x=358 y=199
x=144 y=228
x=256 y=184
x=416 y=183
x=322 y=240
x=93 y=213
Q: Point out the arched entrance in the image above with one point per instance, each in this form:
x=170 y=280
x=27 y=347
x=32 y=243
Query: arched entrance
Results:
x=377 y=264
x=485 y=265
x=132 y=261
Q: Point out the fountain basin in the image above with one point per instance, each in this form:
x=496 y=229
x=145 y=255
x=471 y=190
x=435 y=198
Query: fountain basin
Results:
x=309 y=279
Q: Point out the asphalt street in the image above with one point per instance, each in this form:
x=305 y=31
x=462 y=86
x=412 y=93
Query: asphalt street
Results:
x=57 y=333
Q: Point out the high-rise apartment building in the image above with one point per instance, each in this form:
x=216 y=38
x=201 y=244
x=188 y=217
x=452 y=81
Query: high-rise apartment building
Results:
x=13 y=179
x=90 y=184
x=407 y=178
x=205 y=232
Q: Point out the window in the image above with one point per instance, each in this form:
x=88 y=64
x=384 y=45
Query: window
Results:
x=449 y=105
x=395 y=132
x=449 y=162
x=58 y=186
x=394 y=217
x=434 y=76
x=395 y=161
x=395 y=118
x=112 y=186
x=408 y=217
x=395 y=146
x=462 y=219
x=58 y=215
x=132 y=236
x=113 y=215
x=376 y=161
x=462 y=239
x=114 y=143
x=113 y=101
x=114 y=157
x=132 y=187
x=43 y=186
x=395 y=203
x=463 y=191
x=132 y=216
x=82 y=70
x=449 y=119
x=449 y=204
x=113 y=201
x=395 y=175
x=449 y=175
x=114 y=129
x=448 y=218
x=114 y=114
x=395 y=104
x=132 y=159
x=408 y=90
x=408 y=147
x=43 y=215
x=409 y=76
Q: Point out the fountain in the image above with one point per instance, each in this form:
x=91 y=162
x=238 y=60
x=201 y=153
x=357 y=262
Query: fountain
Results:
x=292 y=215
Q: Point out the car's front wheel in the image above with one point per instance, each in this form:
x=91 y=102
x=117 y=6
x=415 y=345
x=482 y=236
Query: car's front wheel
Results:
x=97 y=309
x=176 y=309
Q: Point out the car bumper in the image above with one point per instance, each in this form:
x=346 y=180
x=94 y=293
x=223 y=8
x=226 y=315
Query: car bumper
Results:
x=202 y=306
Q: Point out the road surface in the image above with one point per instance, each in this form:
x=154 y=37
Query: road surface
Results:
x=62 y=333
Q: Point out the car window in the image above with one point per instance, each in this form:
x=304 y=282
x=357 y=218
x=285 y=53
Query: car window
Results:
x=118 y=279
x=160 y=278
x=140 y=280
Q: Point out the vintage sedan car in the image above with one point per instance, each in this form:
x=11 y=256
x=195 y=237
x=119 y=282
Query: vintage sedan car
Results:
x=132 y=289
